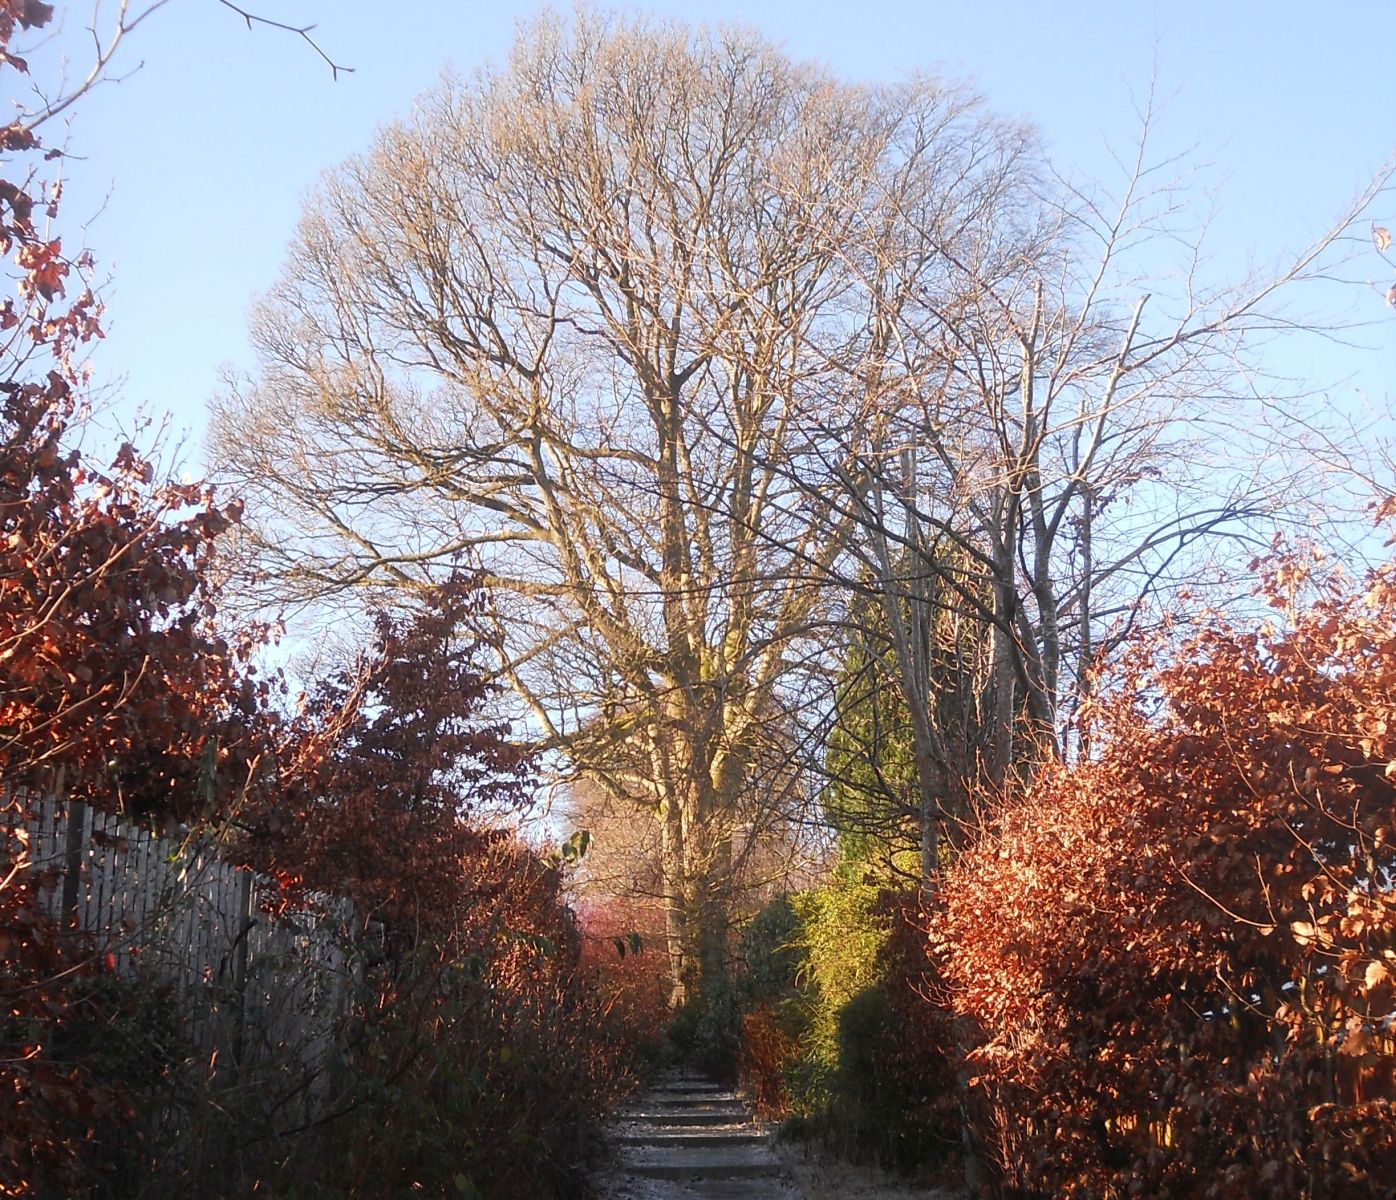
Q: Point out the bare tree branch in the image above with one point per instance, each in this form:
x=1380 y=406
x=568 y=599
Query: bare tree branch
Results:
x=301 y=31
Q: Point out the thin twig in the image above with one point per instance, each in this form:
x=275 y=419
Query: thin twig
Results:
x=301 y=31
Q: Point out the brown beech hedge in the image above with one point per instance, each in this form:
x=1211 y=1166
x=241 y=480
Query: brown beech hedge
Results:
x=1179 y=956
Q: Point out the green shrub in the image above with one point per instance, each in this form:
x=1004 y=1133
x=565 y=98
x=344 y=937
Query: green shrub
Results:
x=771 y=950
x=840 y=938
x=837 y=1034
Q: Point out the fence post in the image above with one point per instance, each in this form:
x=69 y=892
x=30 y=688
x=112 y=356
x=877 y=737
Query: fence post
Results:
x=72 y=861
x=245 y=922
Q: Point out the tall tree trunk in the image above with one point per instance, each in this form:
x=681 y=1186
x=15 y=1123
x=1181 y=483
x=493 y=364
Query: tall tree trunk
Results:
x=1005 y=669
x=676 y=913
x=715 y=921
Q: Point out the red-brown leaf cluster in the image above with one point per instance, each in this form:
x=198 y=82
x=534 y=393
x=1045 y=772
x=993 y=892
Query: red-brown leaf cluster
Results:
x=1180 y=956
x=109 y=668
x=768 y=1042
x=469 y=1051
x=389 y=775
x=479 y=1025
x=624 y=952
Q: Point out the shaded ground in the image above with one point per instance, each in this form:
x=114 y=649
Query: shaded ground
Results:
x=815 y=1175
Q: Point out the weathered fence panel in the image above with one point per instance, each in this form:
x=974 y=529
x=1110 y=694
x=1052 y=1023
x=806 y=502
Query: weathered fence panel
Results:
x=251 y=982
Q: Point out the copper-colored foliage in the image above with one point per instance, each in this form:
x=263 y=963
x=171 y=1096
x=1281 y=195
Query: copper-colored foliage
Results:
x=1180 y=955
x=109 y=676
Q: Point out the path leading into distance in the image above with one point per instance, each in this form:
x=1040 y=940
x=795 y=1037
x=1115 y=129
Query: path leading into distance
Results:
x=688 y=1138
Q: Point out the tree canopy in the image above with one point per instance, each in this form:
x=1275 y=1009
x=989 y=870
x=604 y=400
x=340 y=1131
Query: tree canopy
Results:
x=585 y=315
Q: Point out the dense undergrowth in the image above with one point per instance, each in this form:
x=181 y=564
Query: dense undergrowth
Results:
x=1165 y=971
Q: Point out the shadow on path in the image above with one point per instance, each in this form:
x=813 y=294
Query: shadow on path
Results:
x=687 y=1138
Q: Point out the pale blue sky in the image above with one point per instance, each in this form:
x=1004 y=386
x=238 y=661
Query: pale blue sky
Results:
x=207 y=150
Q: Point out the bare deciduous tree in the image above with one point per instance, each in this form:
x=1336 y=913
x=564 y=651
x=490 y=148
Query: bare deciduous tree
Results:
x=578 y=318
x=1053 y=448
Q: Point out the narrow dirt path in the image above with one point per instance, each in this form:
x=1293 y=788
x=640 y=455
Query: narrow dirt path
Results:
x=688 y=1138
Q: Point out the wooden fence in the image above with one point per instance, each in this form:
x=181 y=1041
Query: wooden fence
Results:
x=249 y=986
